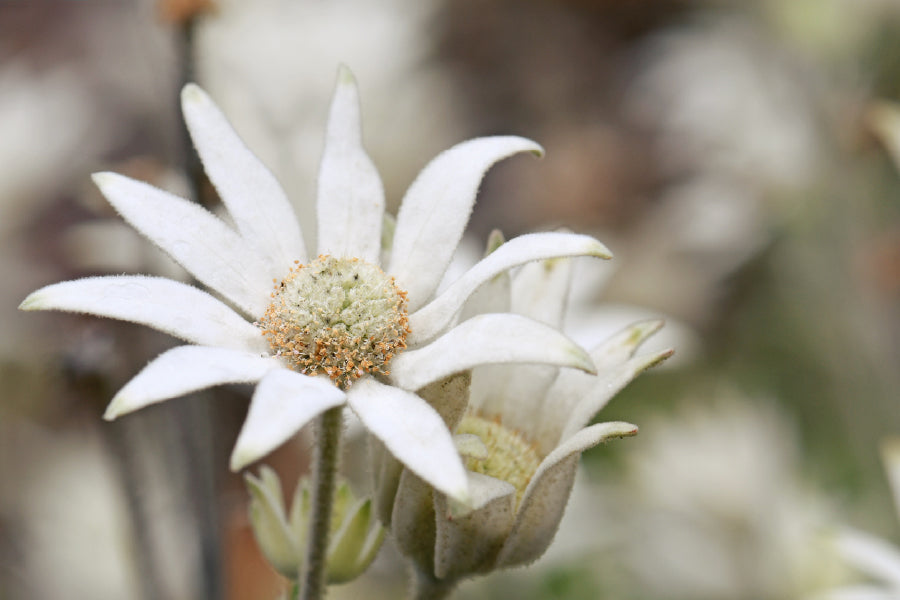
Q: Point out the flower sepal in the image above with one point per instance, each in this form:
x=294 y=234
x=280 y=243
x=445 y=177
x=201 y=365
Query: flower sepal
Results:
x=355 y=535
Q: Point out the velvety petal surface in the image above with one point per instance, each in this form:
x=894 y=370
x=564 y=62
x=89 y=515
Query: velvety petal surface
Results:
x=467 y=543
x=199 y=241
x=350 y=200
x=254 y=199
x=187 y=369
x=547 y=494
x=487 y=339
x=413 y=432
x=433 y=317
x=172 y=307
x=436 y=208
x=284 y=401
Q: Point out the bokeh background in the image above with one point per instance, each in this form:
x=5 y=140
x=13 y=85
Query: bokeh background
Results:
x=727 y=151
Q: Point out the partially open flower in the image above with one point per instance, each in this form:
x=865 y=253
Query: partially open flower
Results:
x=521 y=431
x=321 y=332
x=282 y=534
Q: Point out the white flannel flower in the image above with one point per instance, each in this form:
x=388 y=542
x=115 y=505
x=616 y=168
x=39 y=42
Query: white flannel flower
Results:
x=522 y=430
x=336 y=330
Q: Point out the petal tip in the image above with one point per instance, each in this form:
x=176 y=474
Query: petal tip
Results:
x=599 y=250
x=345 y=75
x=240 y=458
x=104 y=178
x=31 y=302
x=192 y=93
x=114 y=410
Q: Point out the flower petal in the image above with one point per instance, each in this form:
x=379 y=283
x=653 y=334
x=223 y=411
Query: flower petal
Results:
x=187 y=369
x=547 y=494
x=175 y=308
x=195 y=238
x=487 y=339
x=539 y=291
x=284 y=402
x=607 y=385
x=350 y=200
x=413 y=432
x=871 y=555
x=449 y=397
x=570 y=387
x=432 y=318
x=256 y=202
x=468 y=543
x=436 y=208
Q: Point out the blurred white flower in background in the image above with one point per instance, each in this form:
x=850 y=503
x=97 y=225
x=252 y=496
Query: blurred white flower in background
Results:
x=872 y=556
x=725 y=99
x=715 y=508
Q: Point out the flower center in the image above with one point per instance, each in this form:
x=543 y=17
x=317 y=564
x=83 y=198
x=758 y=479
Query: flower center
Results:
x=342 y=317
x=510 y=456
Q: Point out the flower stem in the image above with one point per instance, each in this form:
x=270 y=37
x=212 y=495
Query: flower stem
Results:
x=325 y=468
x=424 y=586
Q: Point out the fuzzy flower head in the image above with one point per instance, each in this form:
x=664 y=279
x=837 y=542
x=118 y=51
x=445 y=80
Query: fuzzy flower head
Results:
x=359 y=325
x=521 y=431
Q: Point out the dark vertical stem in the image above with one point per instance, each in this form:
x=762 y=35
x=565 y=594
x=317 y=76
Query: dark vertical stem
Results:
x=325 y=465
x=195 y=423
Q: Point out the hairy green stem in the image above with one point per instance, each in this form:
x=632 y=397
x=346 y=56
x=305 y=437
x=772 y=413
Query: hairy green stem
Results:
x=325 y=465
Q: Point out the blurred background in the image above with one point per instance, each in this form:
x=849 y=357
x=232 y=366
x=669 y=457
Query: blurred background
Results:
x=726 y=151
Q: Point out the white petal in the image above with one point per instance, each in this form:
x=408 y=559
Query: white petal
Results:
x=284 y=402
x=175 y=308
x=492 y=296
x=467 y=543
x=607 y=385
x=197 y=240
x=487 y=339
x=257 y=204
x=570 y=387
x=871 y=555
x=413 y=432
x=187 y=369
x=540 y=291
x=436 y=208
x=547 y=494
x=432 y=318
x=350 y=200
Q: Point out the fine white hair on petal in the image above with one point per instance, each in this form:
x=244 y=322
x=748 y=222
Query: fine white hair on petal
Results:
x=199 y=241
x=350 y=198
x=413 y=432
x=487 y=339
x=187 y=369
x=254 y=199
x=170 y=306
x=284 y=401
x=433 y=317
x=436 y=208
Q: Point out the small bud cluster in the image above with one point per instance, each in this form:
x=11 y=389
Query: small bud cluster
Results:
x=339 y=317
x=510 y=456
